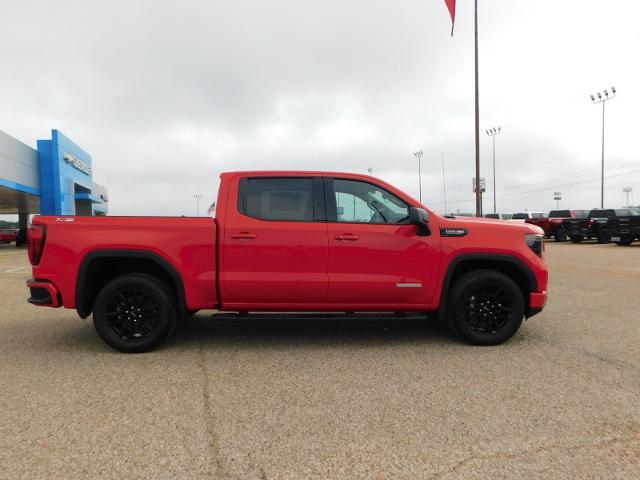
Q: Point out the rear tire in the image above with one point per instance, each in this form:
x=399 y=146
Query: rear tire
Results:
x=603 y=238
x=134 y=313
x=560 y=235
x=576 y=239
x=486 y=307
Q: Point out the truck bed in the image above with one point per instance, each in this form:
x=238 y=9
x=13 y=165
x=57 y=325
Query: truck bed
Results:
x=186 y=245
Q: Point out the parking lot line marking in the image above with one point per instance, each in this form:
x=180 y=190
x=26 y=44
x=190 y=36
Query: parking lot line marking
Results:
x=14 y=269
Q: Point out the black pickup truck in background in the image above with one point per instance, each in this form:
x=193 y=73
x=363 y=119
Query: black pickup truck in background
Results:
x=624 y=228
x=595 y=225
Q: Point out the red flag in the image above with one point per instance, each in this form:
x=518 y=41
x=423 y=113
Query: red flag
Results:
x=451 y=5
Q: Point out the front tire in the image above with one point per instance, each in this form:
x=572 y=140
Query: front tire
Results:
x=486 y=307
x=625 y=241
x=134 y=313
x=576 y=239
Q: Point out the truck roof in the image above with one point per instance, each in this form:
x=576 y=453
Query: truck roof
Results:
x=296 y=172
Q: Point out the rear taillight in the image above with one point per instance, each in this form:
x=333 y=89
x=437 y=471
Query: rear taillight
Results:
x=35 y=243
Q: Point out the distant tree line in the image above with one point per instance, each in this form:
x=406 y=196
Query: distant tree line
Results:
x=5 y=224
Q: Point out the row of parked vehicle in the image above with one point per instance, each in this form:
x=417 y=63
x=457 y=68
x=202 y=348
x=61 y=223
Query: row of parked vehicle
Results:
x=8 y=235
x=619 y=225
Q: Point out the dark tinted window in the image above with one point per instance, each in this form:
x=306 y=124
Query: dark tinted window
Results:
x=363 y=202
x=602 y=213
x=279 y=199
x=626 y=212
x=520 y=216
x=559 y=214
x=492 y=215
x=538 y=215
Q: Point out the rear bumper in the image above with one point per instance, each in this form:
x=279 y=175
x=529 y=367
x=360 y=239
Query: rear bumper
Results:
x=537 y=301
x=43 y=293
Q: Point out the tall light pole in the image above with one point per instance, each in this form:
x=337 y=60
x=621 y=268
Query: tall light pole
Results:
x=477 y=113
x=444 y=185
x=197 y=196
x=418 y=155
x=602 y=98
x=557 y=196
x=492 y=132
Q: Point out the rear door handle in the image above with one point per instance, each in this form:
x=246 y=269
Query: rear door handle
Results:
x=347 y=237
x=243 y=236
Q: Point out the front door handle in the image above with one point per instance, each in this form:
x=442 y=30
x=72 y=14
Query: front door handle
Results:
x=347 y=237
x=243 y=236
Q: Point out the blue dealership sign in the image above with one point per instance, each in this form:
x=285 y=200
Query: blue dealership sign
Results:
x=65 y=176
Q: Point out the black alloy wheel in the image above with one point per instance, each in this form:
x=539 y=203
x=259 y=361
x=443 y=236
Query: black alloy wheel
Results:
x=486 y=307
x=625 y=241
x=134 y=313
x=560 y=235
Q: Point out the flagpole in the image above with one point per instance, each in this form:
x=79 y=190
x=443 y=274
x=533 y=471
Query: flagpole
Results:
x=478 y=192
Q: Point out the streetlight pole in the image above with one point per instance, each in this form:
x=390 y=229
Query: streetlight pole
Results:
x=444 y=185
x=602 y=98
x=197 y=196
x=418 y=155
x=477 y=113
x=492 y=132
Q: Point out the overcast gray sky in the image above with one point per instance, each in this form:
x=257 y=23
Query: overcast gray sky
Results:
x=165 y=95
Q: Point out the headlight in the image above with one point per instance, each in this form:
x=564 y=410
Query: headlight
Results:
x=535 y=242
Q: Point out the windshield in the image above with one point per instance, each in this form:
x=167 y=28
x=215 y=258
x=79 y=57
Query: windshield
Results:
x=602 y=213
x=627 y=212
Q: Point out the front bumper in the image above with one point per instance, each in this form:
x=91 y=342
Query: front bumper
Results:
x=537 y=301
x=43 y=293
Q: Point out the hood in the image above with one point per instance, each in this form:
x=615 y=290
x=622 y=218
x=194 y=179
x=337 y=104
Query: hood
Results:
x=489 y=224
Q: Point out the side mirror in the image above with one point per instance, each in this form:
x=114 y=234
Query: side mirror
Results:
x=420 y=218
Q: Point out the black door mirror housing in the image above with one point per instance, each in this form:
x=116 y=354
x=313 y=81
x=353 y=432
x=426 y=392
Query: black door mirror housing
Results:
x=420 y=218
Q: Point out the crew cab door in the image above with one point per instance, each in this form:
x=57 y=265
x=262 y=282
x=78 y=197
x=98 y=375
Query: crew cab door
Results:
x=274 y=242
x=376 y=257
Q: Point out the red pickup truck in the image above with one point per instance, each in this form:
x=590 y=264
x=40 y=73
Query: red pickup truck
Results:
x=290 y=241
x=552 y=224
x=8 y=236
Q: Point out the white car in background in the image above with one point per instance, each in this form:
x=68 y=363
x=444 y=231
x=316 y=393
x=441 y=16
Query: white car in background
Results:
x=522 y=216
x=499 y=216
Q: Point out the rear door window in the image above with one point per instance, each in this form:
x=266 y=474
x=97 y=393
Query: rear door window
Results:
x=282 y=199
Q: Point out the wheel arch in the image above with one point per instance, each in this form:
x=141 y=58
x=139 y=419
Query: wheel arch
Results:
x=511 y=266
x=101 y=266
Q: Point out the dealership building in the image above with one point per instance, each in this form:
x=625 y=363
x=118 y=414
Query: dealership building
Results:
x=55 y=178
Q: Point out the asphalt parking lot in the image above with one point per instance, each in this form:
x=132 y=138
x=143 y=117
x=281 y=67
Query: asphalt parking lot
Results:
x=329 y=398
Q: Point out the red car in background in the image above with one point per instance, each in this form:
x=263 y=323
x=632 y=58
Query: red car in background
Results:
x=8 y=236
x=552 y=224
